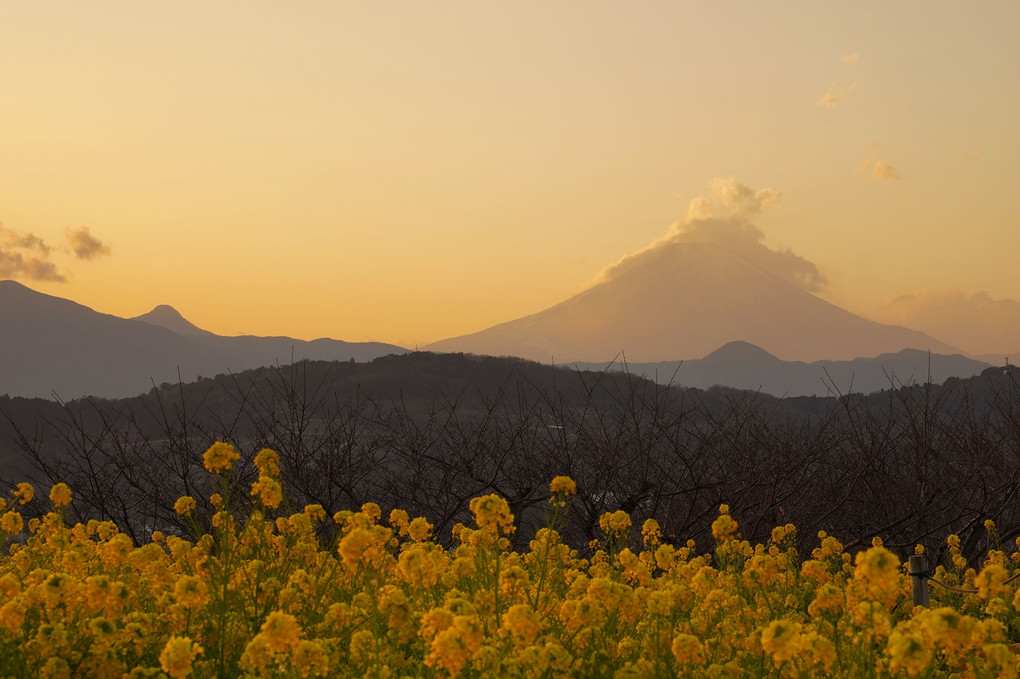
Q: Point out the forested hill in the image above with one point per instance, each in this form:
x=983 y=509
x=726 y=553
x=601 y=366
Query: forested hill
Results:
x=417 y=382
x=427 y=432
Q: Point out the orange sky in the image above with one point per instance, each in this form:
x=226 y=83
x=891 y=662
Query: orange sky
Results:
x=406 y=172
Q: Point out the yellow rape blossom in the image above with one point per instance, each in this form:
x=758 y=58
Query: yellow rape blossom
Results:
x=57 y=668
x=399 y=519
x=419 y=529
x=615 y=522
x=267 y=462
x=309 y=659
x=522 y=624
x=24 y=492
x=11 y=523
x=687 y=649
x=492 y=513
x=60 y=495
x=781 y=639
x=315 y=512
x=268 y=491
x=281 y=631
x=563 y=485
x=219 y=457
x=178 y=655
x=908 y=650
x=651 y=532
x=191 y=592
x=990 y=581
x=185 y=505
x=724 y=527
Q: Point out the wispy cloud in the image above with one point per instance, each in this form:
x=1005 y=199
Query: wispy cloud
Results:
x=84 y=245
x=973 y=321
x=835 y=95
x=880 y=169
x=883 y=171
x=829 y=99
x=724 y=217
x=26 y=255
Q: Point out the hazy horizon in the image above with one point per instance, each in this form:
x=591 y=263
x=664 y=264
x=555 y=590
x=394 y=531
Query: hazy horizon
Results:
x=408 y=173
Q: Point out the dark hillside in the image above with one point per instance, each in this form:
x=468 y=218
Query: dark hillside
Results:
x=426 y=432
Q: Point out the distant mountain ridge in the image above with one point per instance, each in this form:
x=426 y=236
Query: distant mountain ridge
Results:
x=50 y=345
x=741 y=365
x=686 y=299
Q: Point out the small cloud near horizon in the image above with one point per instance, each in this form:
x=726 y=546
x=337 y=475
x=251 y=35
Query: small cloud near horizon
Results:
x=724 y=217
x=850 y=59
x=84 y=245
x=972 y=321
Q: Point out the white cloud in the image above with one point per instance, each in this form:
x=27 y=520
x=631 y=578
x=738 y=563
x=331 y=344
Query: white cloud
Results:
x=724 y=217
x=730 y=199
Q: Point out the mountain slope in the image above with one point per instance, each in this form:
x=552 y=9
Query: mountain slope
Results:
x=52 y=345
x=260 y=351
x=685 y=300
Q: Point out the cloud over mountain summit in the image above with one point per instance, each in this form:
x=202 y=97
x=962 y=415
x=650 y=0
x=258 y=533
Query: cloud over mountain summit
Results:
x=710 y=280
x=724 y=218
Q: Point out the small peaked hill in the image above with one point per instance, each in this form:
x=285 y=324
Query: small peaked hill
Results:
x=50 y=345
x=165 y=316
x=686 y=299
x=739 y=352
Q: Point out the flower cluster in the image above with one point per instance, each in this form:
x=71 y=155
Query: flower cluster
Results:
x=264 y=595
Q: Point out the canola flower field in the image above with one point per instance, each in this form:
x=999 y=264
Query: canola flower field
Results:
x=264 y=597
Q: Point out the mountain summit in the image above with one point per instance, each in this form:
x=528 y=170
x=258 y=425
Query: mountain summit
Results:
x=50 y=345
x=685 y=300
x=165 y=316
x=709 y=281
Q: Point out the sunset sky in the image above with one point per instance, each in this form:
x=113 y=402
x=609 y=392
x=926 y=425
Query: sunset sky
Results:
x=409 y=171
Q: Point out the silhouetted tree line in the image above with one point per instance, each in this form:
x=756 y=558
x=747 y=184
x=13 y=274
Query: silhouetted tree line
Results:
x=427 y=432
